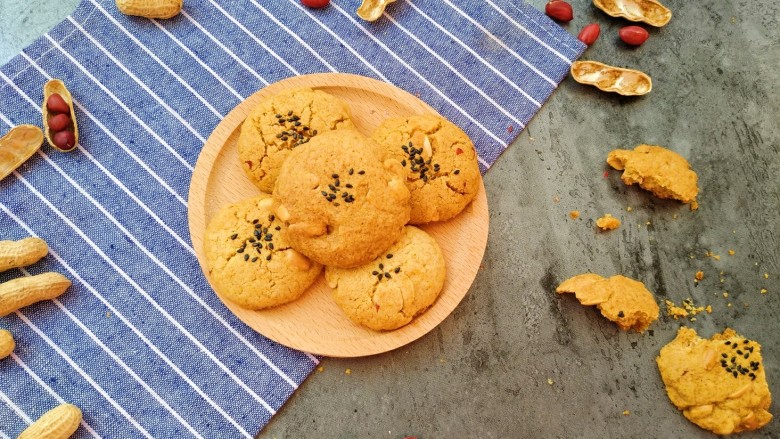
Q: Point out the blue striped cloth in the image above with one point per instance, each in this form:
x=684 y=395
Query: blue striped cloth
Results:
x=140 y=342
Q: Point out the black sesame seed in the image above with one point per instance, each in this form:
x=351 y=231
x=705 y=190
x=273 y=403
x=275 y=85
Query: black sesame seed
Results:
x=379 y=276
x=278 y=227
x=745 y=341
x=348 y=186
x=374 y=272
x=747 y=355
x=381 y=266
x=397 y=269
x=265 y=229
x=324 y=194
x=337 y=204
x=728 y=342
x=733 y=359
x=735 y=374
x=257 y=226
x=270 y=246
x=278 y=116
x=240 y=250
x=271 y=217
x=621 y=314
x=234 y=236
x=724 y=355
x=246 y=257
x=332 y=187
x=285 y=138
x=387 y=275
x=289 y=113
x=334 y=175
x=361 y=172
x=456 y=172
x=739 y=352
x=268 y=258
x=405 y=148
x=403 y=162
x=254 y=259
x=351 y=171
x=750 y=349
x=251 y=239
x=337 y=183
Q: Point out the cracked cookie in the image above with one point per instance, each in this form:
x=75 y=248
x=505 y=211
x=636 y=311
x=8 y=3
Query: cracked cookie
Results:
x=719 y=384
x=441 y=166
x=623 y=300
x=398 y=285
x=343 y=205
x=281 y=123
x=249 y=260
x=656 y=169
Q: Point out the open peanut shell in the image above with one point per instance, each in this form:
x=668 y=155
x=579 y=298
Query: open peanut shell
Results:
x=646 y=11
x=371 y=10
x=17 y=146
x=51 y=87
x=626 y=82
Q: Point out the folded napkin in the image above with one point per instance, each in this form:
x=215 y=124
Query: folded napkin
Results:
x=140 y=342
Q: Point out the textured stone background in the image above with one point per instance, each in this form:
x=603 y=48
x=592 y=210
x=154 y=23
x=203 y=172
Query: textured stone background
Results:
x=483 y=373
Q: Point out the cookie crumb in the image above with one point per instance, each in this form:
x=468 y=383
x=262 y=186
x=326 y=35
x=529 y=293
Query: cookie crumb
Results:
x=556 y=199
x=626 y=412
x=699 y=275
x=321 y=369
x=686 y=308
x=574 y=214
x=629 y=209
x=608 y=222
x=712 y=255
x=763 y=291
x=348 y=371
x=708 y=308
x=732 y=252
x=725 y=294
x=766 y=275
x=550 y=381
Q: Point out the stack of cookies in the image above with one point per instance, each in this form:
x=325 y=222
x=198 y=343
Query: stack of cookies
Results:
x=334 y=198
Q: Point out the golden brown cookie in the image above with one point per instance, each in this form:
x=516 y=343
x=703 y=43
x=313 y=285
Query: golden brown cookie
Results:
x=623 y=300
x=283 y=122
x=249 y=260
x=719 y=384
x=663 y=172
x=391 y=290
x=344 y=207
x=441 y=166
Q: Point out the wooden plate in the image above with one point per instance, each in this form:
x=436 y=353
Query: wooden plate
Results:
x=314 y=323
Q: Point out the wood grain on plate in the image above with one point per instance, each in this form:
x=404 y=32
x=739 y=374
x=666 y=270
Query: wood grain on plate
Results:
x=314 y=323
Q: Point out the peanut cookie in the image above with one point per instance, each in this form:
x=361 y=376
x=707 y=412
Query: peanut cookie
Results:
x=391 y=290
x=623 y=300
x=344 y=207
x=656 y=169
x=441 y=167
x=249 y=259
x=282 y=122
x=719 y=383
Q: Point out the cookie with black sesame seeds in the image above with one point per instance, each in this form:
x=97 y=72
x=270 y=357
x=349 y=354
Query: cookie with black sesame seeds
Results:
x=719 y=384
x=441 y=166
x=343 y=206
x=281 y=123
x=249 y=261
x=396 y=286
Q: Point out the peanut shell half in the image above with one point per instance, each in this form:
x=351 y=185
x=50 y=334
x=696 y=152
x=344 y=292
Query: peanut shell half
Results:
x=17 y=146
x=646 y=11
x=626 y=82
x=58 y=87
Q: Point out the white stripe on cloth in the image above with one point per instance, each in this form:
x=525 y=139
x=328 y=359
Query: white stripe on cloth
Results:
x=86 y=376
x=533 y=35
x=146 y=295
x=15 y=408
x=120 y=103
x=223 y=47
x=294 y=35
x=50 y=391
x=421 y=77
x=3 y=435
x=124 y=320
x=92 y=159
x=158 y=60
x=341 y=41
x=137 y=80
x=455 y=71
x=503 y=45
x=476 y=55
x=197 y=59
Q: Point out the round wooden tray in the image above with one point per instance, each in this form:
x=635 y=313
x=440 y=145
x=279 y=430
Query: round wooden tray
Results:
x=314 y=323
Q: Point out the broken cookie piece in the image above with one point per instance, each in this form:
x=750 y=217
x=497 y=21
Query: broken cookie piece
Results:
x=608 y=222
x=623 y=300
x=719 y=384
x=663 y=172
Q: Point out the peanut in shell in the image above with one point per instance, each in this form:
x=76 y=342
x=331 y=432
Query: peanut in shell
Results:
x=626 y=82
x=58 y=423
x=51 y=87
x=646 y=11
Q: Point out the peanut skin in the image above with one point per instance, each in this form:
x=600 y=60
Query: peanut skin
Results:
x=7 y=343
x=58 y=423
x=24 y=291
x=14 y=254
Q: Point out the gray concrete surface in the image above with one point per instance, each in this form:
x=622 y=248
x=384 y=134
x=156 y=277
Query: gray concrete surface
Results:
x=483 y=373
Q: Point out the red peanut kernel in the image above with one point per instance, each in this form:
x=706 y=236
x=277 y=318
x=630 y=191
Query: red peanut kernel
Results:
x=589 y=34
x=59 y=122
x=633 y=35
x=64 y=140
x=56 y=104
x=559 y=10
x=315 y=3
